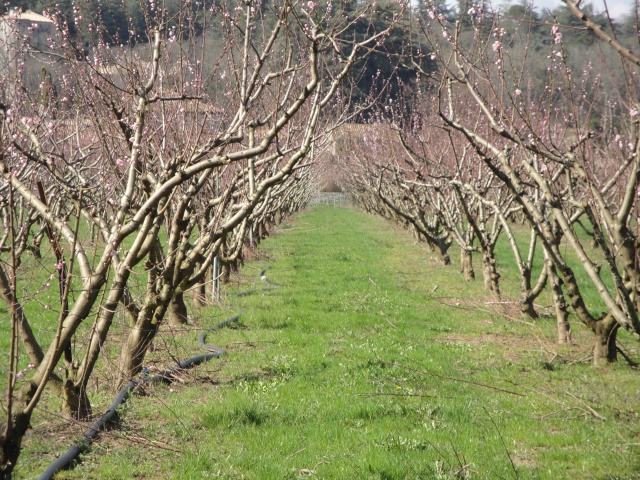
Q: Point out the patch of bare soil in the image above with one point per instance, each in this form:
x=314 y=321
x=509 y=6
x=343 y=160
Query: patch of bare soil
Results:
x=502 y=340
x=239 y=347
x=515 y=348
x=523 y=458
x=58 y=430
x=50 y=436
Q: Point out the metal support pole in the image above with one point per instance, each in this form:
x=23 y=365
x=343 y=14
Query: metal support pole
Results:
x=215 y=285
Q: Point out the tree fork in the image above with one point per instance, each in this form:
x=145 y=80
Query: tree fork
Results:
x=605 y=350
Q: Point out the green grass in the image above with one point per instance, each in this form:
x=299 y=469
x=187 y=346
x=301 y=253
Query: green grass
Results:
x=359 y=367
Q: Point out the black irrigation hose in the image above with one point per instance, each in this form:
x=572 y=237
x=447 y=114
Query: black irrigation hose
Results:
x=64 y=460
x=202 y=336
x=74 y=451
x=263 y=277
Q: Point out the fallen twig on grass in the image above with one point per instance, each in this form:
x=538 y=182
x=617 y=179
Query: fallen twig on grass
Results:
x=311 y=471
x=587 y=358
x=559 y=411
x=503 y=314
x=513 y=465
x=587 y=409
x=295 y=453
x=461 y=461
x=460 y=306
x=127 y=436
x=399 y=395
x=591 y=410
x=446 y=377
x=146 y=442
x=384 y=315
x=546 y=348
x=461 y=469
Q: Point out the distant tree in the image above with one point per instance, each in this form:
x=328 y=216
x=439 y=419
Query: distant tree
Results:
x=548 y=144
x=391 y=64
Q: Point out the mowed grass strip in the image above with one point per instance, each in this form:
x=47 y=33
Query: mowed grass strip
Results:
x=372 y=361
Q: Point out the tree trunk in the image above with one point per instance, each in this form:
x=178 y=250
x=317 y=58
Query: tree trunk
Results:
x=605 y=345
x=177 y=311
x=466 y=265
x=11 y=444
x=75 y=402
x=226 y=272
x=562 y=314
x=442 y=247
x=490 y=274
x=526 y=294
x=263 y=233
x=526 y=306
x=35 y=248
x=138 y=342
x=200 y=293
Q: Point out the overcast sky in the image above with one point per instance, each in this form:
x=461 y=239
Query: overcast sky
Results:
x=617 y=8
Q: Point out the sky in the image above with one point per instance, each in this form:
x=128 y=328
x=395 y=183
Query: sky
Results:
x=617 y=8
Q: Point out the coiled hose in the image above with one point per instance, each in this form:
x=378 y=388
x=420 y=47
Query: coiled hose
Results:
x=64 y=460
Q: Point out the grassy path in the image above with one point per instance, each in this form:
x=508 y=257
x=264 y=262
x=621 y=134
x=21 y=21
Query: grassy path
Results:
x=358 y=367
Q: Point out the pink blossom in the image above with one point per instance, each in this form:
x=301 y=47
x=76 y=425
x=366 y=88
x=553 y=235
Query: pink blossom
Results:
x=633 y=112
x=496 y=46
x=518 y=92
x=311 y=5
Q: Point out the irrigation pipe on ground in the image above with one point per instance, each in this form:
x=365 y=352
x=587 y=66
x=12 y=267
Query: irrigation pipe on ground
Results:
x=166 y=376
